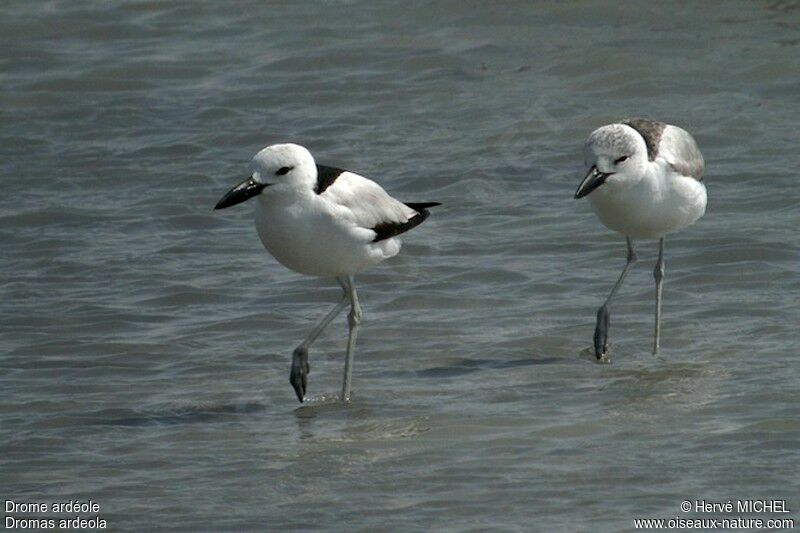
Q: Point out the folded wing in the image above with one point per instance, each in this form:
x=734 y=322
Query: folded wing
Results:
x=681 y=152
x=367 y=205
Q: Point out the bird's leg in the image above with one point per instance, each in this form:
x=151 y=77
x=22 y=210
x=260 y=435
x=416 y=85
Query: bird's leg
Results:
x=658 y=273
x=603 y=314
x=353 y=320
x=298 y=376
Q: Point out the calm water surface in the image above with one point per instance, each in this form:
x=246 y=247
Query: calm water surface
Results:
x=145 y=339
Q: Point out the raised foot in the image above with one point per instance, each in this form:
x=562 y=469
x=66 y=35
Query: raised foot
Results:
x=298 y=376
x=601 y=334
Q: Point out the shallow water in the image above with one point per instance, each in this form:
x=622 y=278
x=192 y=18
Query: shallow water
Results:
x=145 y=339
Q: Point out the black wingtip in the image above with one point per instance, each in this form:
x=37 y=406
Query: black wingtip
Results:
x=422 y=205
x=387 y=230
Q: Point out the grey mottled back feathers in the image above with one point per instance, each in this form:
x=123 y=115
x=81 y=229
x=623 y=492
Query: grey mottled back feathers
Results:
x=672 y=143
x=650 y=130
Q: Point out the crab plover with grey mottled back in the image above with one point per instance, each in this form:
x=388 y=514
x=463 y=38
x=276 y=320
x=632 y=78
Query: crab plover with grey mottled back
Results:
x=644 y=180
x=326 y=222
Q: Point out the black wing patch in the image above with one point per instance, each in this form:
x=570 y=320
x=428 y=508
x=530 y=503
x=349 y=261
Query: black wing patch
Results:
x=325 y=177
x=420 y=207
x=387 y=230
x=650 y=130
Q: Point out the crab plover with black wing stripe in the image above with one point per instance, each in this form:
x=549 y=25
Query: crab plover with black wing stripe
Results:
x=326 y=222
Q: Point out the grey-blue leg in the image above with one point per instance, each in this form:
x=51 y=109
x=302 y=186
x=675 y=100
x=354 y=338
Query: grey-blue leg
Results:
x=354 y=319
x=658 y=273
x=298 y=376
x=603 y=314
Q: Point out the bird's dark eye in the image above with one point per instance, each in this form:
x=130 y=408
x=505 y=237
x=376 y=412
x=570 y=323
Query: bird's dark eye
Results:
x=620 y=160
x=283 y=170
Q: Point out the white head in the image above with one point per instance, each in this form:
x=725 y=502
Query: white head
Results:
x=280 y=168
x=614 y=154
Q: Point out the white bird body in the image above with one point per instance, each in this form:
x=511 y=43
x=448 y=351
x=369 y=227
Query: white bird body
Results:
x=661 y=202
x=649 y=198
x=323 y=221
x=329 y=234
x=644 y=180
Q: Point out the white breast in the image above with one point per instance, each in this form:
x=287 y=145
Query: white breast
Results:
x=308 y=237
x=661 y=202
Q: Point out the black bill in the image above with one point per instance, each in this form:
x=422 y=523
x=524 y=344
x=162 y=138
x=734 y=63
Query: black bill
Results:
x=593 y=180
x=244 y=191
